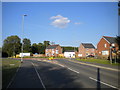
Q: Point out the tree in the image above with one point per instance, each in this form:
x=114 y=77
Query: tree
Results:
x=69 y=48
x=46 y=43
x=26 y=45
x=12 y=45
x=40 y=47
x=34 y=48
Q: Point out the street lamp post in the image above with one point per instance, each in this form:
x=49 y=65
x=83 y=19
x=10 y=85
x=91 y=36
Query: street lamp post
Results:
x=111 y=54
x=22 y=36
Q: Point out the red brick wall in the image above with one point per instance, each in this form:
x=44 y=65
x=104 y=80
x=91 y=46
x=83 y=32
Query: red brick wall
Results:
x=83 y=50
x=50 y=51
x=101 y=46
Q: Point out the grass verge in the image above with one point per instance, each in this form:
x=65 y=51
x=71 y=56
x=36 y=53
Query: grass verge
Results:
x=100 y=61
x=9 y=67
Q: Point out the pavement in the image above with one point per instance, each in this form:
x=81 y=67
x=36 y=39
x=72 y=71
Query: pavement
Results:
x=62 y=74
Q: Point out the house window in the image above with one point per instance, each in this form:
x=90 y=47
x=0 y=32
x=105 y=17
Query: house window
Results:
x=80 y=55
x=46 y=50
x=56 y=51
x=47 y=54
x=105 y=52
x=113 y=44
x=53 y=51
x=105 y=45
x=86 y=54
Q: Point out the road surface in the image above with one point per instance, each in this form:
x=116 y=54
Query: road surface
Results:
x=63 y=73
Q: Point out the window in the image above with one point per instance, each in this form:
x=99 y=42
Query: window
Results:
x=105 y=52
x=105 y=45
x=80 y=55
x=53 y=51
x=86 y=54
x=56 y=51
x=46 y=50
x=47 y=54
x=113 y=44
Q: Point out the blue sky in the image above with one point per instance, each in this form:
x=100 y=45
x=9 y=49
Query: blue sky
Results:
x=65 y=23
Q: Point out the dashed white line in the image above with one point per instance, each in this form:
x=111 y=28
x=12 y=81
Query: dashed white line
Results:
x=73 y=70
x=103 y=83
x=39 y=76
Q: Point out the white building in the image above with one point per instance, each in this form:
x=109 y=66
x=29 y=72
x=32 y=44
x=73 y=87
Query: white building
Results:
x=24 y=54
x=69 y=54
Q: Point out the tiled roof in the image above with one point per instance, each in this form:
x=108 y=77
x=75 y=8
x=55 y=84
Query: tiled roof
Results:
x=88 y=45
x=52 y=46
x=110 y=39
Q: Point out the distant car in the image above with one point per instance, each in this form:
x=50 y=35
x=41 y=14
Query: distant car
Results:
x=90 y=56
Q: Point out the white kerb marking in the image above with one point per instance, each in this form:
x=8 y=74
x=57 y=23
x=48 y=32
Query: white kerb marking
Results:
x=39 y=76
x=102 y=82
x=73 y=70
x=61 y=65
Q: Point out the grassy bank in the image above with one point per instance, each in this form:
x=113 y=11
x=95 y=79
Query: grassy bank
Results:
x=9 y=67
x=101 y=61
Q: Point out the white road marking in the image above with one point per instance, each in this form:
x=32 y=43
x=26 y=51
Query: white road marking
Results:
x=96 y=66
x=13 y=77
x=61 y=65
x=103 y=83
x=73 y=70
x=39 y=76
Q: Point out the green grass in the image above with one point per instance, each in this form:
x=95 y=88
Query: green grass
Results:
x=101 y=61
x=9 y=67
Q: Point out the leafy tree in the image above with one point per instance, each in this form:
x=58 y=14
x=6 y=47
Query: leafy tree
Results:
x=40 y=47
x=26 y=45
x=46 y=43
x=12 y=45
x=34 y=48
x=69 y=48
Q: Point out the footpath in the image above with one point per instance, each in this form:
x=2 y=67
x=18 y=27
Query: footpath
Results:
x=25 y=77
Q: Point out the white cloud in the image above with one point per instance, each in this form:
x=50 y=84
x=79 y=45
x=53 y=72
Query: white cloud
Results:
x=60 y=21
x=77 y=23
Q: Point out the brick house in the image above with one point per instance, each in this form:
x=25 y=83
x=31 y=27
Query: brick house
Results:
x=86 y=49
x=106 y=45
x=53 y=50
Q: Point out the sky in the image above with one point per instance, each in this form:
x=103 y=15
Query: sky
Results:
x=65 y=23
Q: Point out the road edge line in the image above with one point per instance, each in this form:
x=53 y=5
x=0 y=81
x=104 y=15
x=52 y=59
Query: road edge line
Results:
x=39 y=76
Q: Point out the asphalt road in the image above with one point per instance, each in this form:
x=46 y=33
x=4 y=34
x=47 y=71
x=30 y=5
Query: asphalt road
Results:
x=62 y=74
